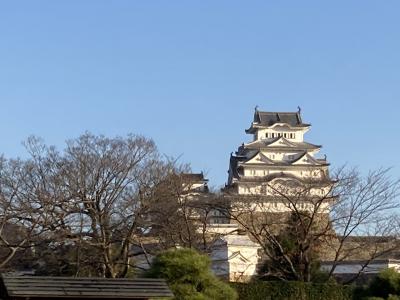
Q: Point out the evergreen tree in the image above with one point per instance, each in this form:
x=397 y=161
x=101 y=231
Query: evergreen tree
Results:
x=189 y=276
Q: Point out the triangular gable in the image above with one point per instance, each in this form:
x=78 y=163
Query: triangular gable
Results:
x=238 y=256
x=281 y=142
x=259 y=158
x=306 y=159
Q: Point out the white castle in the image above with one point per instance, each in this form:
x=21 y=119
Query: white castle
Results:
x=278 y=150
x=276 y=154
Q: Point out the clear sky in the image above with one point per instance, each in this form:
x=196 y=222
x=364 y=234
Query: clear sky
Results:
x=189 y=73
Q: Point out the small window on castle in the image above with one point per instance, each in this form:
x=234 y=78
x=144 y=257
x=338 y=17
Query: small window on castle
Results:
x=266 y=135
x=273 y=135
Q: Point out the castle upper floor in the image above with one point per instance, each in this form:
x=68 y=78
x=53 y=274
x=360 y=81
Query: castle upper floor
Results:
x=270 y=125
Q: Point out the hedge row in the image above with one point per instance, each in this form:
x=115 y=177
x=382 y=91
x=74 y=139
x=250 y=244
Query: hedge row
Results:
x=277 y=290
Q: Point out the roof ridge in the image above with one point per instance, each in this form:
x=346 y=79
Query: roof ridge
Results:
x=277 y=112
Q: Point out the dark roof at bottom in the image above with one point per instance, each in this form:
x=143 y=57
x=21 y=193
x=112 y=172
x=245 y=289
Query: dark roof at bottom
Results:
x=71 y=287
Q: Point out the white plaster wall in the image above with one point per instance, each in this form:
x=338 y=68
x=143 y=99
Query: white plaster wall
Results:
x=279 y=207
x=395 y=266
x=249 y=190
x=299 y=133
x=301 y=172
x=269 y=189
x=253 y=172
x=222 y=229
x=239 y=269
x=235 y=259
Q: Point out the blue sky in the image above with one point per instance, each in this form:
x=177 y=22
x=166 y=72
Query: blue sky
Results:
x=189 y=73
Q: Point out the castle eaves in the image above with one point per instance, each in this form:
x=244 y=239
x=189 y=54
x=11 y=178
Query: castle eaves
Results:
x=271 y=144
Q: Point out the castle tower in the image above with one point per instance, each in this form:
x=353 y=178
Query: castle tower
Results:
x=277 y=153
x=274 y=181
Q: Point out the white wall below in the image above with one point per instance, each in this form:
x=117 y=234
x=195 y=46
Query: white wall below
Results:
x=235 y=257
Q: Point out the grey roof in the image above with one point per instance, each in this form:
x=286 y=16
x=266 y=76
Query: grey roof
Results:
x=235 y=240
x=265 y=144
x=360 y=261
x=245 y=154
x=70 y=287
x=198 y=177
x=266 y=118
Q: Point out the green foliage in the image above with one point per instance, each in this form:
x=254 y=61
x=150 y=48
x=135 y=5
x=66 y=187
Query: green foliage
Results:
x=320 y=276
x=291 y=290
x=387 y=282
x=385 y=286
x=390 y=297
x=189 y=277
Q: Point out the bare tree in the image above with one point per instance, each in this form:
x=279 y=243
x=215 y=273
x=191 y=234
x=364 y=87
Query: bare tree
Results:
x=27 y=197
x=363 y=217
x=93 y=195
x=183 y=211
x=108 y=183
x=89 y=204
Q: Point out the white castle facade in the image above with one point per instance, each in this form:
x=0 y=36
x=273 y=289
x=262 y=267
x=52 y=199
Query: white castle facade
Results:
x=277 y=155
x=277 y=151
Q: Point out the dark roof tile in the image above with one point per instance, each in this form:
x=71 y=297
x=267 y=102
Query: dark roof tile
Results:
x=69 y=287
x=265 y=118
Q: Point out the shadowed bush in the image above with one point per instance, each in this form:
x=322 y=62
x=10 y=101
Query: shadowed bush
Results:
x=291 y=290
